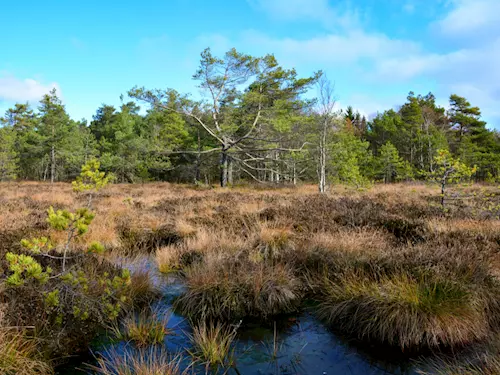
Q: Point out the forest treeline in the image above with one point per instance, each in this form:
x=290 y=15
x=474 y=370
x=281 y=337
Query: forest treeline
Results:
x=254 y=122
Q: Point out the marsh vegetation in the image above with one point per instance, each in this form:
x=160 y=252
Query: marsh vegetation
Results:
x=385 y=267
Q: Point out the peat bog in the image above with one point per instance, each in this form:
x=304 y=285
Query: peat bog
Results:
x=246 y=281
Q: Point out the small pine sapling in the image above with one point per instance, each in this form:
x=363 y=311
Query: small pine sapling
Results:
x=91 y=180
x=75 y=224
x=449 y=170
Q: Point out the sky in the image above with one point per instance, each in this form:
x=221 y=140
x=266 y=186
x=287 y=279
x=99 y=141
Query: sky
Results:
x=375 y=51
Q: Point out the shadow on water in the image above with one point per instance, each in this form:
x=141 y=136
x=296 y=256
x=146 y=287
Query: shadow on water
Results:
x=293 y=345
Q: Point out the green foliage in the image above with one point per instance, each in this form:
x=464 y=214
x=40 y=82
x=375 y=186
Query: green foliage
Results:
x=115 y=293
x=9 y=157
x=96 y=248
x=449 y=169
x=390 y=166
x=350 y=158
x=25 y=268
x=86 y=296
x=52 y=299
x=75 y=222
x=244 y=91
x=255 y=125
x=37 y=245
x=91 y=178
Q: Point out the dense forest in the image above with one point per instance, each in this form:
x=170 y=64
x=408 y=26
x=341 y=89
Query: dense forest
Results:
x=256 y=122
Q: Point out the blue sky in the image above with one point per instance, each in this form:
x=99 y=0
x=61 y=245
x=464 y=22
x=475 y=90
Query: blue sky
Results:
x=375 y=51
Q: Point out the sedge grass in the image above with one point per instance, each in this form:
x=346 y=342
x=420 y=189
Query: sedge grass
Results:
x=145 y=328
x=152 y=361
x=404 y=311
x=213 y=345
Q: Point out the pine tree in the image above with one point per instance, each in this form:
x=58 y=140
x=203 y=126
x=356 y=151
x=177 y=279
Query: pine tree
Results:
x=55 y=128
x=9 y=157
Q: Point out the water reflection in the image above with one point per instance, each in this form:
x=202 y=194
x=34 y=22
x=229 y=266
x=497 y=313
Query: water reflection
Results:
x=294 y=345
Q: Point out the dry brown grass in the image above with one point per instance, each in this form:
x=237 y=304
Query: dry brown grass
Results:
x=489 y=228
x=358 y=240
x=168 y=258
x=152 y=361
x=18 y=355
x=223 y=287
x=250 y=251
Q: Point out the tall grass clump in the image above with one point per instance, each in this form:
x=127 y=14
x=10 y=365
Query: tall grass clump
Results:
x=18 y=356
x=404 y=310
x=141 y=288
x=230 y=290
x=484 y=360
x=168 y=258
x=213 y=345
x=154 y=361
x=488 y=365
x=145 y=328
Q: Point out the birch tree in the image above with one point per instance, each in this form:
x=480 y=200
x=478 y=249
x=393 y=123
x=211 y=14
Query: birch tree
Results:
x=326 y=105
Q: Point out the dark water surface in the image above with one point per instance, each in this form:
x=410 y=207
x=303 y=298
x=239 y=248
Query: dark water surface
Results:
x=293 y=345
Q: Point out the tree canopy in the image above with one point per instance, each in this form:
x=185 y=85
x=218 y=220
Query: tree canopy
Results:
x=255 y=121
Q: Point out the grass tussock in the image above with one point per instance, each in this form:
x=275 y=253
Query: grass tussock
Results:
x=152 y=361
x=141 y=288
x=168 y=258
x=484 y=360
x=18 y=355
x=226 y=289
x=145 y=328
x=405 y=311
x=213 y=345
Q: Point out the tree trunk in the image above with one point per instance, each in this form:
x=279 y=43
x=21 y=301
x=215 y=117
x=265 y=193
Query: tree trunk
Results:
x=322 y=161
x=52 y=164
x=198 y=161
x=443 y=185
x=223 y=167
x=230 y=171
x=45 y=171
x=278 y=168
x=294 y=174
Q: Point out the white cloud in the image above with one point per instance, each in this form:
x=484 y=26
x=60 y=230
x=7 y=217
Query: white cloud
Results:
x=368 y=105
x=353 y=46
x=469 y=72
x=314 y=10
x=377 y=59
x=470 y=17
x=21 y=90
